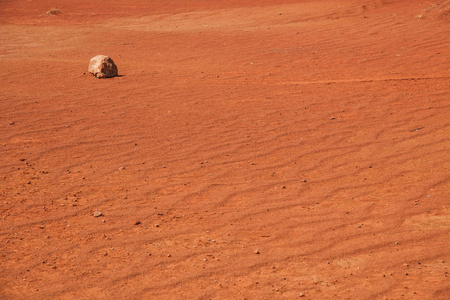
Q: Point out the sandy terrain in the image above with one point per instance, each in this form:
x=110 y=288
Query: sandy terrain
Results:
x=249 y=150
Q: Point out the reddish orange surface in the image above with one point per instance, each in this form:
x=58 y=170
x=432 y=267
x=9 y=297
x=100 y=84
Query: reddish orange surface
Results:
x=250 y=150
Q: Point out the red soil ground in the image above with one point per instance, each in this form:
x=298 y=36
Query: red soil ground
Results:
x=250 y=150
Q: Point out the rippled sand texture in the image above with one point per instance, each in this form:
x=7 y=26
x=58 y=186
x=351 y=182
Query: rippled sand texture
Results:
x=250 y=150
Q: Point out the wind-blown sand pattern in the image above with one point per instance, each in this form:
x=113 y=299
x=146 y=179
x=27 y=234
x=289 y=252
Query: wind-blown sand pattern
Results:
x=250 y=150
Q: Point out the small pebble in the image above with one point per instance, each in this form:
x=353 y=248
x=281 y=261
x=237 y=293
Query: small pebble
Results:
x=98 y=213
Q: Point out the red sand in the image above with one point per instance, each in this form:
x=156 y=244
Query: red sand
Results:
x=251 y=150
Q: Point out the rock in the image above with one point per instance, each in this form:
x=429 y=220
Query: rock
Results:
x=97 y=213
x=102 y=66
x=53 y=12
